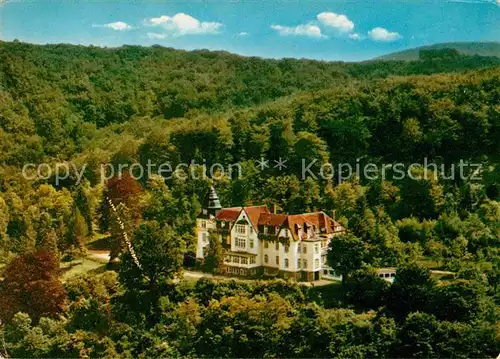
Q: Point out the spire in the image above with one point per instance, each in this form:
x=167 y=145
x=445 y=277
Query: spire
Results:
x=212 y=205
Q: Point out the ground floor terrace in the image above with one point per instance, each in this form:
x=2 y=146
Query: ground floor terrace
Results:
x=269 y=272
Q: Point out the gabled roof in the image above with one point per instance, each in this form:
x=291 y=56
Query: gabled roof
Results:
x=260 y=215
x=322 y=223
x=272 y=219
x=228 y=214
x=254 y=212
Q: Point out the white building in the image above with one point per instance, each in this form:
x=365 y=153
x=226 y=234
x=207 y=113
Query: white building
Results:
x=258 y=242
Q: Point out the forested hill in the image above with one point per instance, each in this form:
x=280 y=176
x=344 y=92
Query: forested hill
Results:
x=143 y=106
x=104 y=86
x=465 y=48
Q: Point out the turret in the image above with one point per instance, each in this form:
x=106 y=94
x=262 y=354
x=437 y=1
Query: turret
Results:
x=211 y=205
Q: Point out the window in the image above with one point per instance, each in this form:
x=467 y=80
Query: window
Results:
x=266 y=259
x=203 y=224
x=277 y=260
x=304 y=249
x=251 y=229
x=277 y=245
x=266 y=245
x=242 y=271
x=305 y=263
x=204 y=237
x=251 y=242
x=241 y=243
x=236 y=259
x=286 y=263
x=316 y=263
x=316 y=248
x=241 y=229
x=244 y=260
x=287 y=248
x=265 y=229
x=227 y=259
x=298 y=263
x=252 y=260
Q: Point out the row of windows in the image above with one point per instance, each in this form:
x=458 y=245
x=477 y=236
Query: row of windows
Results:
x=242 y=229
x=241 y=271
x=242 y=243
x=287 y=262
x=272 y=230
x=277 y=246
x=387 y=275
x=237 y=259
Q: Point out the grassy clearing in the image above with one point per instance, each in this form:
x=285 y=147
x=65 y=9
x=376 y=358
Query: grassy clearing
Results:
x=80 y=267
x=430 y=263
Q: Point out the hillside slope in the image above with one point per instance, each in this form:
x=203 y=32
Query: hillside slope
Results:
x=466 y=48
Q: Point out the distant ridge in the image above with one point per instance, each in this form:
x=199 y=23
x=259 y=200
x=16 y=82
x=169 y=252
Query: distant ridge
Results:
x=467 y=48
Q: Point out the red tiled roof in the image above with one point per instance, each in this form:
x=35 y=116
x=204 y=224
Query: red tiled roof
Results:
x=228 y=214
x=260 y=215
x=319 y=220
x=271 y=219
x=254 y=213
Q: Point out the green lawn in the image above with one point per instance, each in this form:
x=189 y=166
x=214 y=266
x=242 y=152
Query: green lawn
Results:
x=81 y=266
x=430 y=263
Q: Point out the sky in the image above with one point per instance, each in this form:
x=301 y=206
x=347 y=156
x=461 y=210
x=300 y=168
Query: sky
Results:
x=347 y=30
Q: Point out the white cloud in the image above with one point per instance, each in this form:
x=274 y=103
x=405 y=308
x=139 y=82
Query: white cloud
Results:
x=337 y=21
x=381 y=34
x=243 y=33
x=183 y=24
x=117 y=26
x=355 y=36
x=156 y=36
x=308 y=30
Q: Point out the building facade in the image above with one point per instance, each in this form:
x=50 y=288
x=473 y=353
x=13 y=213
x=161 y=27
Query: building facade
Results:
x=258 y=242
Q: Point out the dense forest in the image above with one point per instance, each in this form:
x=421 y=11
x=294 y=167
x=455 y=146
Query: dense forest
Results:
x=467 y=48
x=90 y=106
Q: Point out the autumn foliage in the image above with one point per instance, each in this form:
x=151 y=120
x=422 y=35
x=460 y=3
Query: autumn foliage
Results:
x=31 y=285
x=124 y=188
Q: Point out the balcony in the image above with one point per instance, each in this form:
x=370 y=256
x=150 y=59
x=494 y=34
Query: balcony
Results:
x=267 y=237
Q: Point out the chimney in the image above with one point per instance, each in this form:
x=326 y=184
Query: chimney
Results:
x=334 y=213
x=274 y=208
